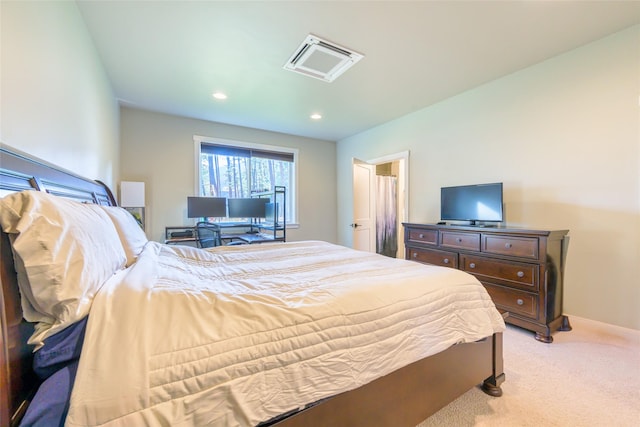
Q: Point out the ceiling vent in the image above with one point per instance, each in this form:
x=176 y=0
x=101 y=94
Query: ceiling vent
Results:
x=321 y=59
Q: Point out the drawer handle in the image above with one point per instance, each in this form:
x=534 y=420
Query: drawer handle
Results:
x=446 y=261
x=508 y=245
x=519 y=301
x=459 y=239
x=472 y=265
x=421 y=236
x=520 y=274
x=415 y=254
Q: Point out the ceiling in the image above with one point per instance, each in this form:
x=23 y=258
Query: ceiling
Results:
x=170 y=56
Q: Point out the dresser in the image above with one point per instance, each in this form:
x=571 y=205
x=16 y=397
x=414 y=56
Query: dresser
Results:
x=521 y=269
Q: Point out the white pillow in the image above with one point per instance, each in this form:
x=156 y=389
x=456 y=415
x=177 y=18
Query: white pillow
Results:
x=64 y=251
x=131 y=234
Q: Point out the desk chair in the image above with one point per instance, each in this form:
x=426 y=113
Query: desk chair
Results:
x=208 y=235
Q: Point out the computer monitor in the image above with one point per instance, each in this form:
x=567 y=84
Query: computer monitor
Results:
x=206 y=207
x=247 y=208
x=271 y=213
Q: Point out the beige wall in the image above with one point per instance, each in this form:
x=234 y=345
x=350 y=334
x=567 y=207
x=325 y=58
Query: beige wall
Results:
x=56 y=100
x=158 y=149
x=564 y=137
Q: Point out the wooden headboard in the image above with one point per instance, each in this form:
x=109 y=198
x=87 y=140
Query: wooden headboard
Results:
x=18 y=172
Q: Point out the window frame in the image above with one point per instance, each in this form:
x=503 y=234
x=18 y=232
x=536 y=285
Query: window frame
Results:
x=291 y=192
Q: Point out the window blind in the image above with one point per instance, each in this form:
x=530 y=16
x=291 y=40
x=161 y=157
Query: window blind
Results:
x=227 y=150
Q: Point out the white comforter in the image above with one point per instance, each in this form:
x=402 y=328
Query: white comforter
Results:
x=239 y=334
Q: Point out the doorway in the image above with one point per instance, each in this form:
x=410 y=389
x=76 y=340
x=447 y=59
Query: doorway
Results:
x=385 y=193
x=387 y=209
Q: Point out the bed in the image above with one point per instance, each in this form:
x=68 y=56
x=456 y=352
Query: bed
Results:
x=326 y=340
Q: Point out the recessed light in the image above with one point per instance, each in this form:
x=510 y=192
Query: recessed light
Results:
x=316 y=116
x=219 y=95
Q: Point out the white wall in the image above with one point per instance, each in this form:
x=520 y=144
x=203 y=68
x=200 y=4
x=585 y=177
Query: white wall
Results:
x=564 y=137
x=158 y=149
x=56 y=100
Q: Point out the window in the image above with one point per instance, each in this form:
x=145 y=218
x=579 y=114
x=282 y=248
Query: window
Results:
x=240 y=170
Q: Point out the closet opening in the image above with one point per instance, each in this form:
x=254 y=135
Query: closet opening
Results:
x=391 y=203
x=380 y=204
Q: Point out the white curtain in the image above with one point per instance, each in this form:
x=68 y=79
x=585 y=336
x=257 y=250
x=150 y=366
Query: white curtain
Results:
x=386 y=214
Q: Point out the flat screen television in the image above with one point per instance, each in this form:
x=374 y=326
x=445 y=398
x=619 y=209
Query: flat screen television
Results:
x=206 y=207
x=247 y=208
x=474 y=203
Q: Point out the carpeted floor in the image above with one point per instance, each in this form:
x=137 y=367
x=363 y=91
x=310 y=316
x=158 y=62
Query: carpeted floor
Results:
x=587 y=377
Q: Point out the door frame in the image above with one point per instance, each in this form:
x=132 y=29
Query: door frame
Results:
x=403 y=191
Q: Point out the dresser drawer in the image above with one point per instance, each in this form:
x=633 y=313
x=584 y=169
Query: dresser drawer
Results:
x=458 y=240
x=513 y=301
x=417 y=235
x=510 y=273
x=525 y=247
x=435 y=257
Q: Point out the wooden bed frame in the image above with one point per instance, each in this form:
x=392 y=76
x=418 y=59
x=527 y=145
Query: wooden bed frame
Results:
x=404 y=398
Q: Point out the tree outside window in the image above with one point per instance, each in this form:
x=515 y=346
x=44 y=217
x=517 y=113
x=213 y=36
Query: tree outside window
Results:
x=239 y=172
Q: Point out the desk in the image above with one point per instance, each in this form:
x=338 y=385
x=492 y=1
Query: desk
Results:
x=180 y=240
x=262 y=237
x=249 y=238
x=180 y=235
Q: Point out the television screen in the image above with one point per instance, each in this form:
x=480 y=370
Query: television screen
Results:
x=482 y=202
x=247 y=208
x=206 y=207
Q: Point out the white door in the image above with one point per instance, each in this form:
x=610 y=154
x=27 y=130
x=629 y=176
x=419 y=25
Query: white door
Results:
x=364 y=212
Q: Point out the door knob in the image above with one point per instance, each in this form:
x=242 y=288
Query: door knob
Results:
x=354 y=225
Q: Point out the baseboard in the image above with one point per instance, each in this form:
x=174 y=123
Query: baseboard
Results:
x=605 y=329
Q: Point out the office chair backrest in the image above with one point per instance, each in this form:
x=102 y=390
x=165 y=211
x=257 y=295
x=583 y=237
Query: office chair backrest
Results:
x=208 y=235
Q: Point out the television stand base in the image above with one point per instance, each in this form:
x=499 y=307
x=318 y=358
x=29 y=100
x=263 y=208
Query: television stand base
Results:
x=475 y=225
